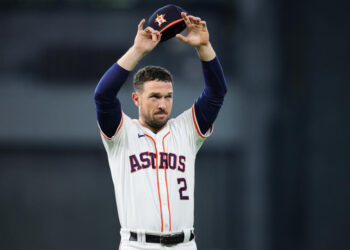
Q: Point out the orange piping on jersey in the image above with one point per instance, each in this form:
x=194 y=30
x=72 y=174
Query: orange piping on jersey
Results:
x=160 y=200
x=120 y=125
x=196 y=125
x=171 y=24
x=166 y=182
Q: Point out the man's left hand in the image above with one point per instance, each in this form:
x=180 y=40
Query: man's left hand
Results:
x=197 y=32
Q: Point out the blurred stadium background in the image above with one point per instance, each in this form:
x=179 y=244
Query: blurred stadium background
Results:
x=275 y=173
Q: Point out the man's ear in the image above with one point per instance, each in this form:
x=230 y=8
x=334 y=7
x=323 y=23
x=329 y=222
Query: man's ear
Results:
x=136 y=99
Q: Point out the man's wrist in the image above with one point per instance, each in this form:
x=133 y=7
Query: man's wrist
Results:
x=206 y=52
x=138 y=52
x=129 y=60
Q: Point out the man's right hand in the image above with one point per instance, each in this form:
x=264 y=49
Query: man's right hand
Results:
x=145 y=41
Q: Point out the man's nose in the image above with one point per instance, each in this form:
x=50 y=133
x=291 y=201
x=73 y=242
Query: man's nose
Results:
x=162 y=103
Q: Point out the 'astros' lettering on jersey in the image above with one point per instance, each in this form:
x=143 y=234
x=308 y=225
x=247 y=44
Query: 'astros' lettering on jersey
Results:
x=153 y=174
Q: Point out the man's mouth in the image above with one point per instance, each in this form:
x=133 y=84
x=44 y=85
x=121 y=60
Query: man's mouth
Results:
x=160 y=114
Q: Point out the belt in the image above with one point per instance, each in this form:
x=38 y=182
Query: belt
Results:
x=167 y=239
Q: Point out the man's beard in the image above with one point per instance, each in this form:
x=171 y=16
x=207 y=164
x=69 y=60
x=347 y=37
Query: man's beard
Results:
x=153 y=123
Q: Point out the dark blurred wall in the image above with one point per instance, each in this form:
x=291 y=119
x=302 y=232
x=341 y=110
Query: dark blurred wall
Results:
x=274 y=173
x=310 y=137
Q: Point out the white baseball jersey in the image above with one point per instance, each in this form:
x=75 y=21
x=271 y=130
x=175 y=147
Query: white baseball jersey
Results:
x=153 y=174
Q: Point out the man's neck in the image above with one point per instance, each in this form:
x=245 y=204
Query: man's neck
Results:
x=154 y=130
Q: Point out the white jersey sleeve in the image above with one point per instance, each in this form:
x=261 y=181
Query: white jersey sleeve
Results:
x=111 y=143
x=187 y=123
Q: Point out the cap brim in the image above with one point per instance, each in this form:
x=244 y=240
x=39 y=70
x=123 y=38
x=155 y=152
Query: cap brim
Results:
x=171 y=24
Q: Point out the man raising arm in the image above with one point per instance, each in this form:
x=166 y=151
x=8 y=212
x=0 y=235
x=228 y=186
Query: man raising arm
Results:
x=109 y=113
x=152 y=158
x=210 y=101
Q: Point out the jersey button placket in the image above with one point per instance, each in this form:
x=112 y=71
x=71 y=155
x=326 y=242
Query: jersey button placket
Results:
x=162 y=186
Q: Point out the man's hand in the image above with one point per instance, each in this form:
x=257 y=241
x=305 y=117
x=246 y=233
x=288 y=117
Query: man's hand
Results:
x=197 y=32
x=145 y=41
x=197 y=36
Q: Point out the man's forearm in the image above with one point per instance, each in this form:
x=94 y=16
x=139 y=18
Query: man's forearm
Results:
x=210 y=101
x=129 y=60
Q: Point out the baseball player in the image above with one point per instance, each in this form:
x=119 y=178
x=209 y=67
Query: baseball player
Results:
x=152 y=158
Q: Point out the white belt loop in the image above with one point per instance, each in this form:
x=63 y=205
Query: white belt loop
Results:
x=125 y=234
x=187 y=233
x=141 y=236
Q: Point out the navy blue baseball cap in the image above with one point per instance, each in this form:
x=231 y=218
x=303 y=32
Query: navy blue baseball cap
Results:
x=168 y=21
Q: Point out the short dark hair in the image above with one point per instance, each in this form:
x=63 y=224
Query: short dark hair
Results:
x=151 y=73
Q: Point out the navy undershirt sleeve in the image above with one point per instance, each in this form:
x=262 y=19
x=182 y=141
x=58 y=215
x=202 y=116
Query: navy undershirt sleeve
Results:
x=208 y=104
x=109 y=112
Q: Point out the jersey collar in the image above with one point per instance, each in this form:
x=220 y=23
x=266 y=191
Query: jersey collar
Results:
x=160 y=133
